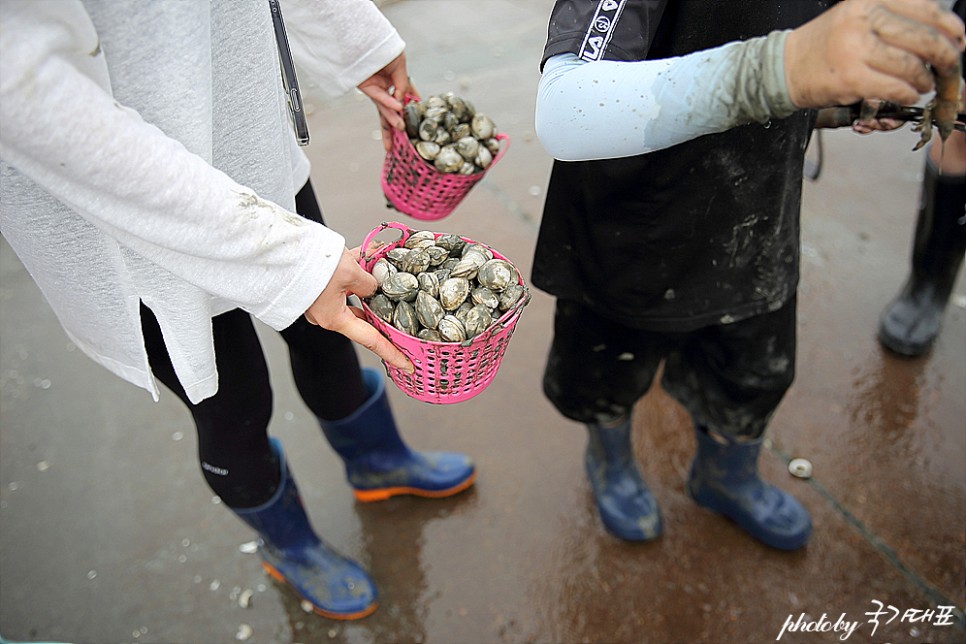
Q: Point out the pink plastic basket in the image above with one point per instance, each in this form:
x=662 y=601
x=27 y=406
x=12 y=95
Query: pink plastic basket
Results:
x=446 y=372
x=414 y=187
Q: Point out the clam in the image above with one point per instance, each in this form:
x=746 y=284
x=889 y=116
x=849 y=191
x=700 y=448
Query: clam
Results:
x=443 y=137
x=478 y=248
x=448 y=160
x=461 y=131
x=428 y=150
x=435 y=101
x=429 y=282
x=468 y=265
x=453 y=292
x=468 y=168
x=468 y=147
x=437 y=255
x=486 y=297
x=453 y=243
x=451 y=329
x=450 y=263
x=483 y=158
x=497 y=274
x=419 y=239
x=401 y=287
x=510 y=296
x=428 y=129
x=436 y=112
x=477 y=320
x=404 y=318
x=428 y=310
x=450 y=121
x=415 y=262
x=382 y=269
x=396 y=255
x=412 y=115
x=382 y=307
x=462 y=310
x=482 y=126
x=456 y=105
x=432 y=335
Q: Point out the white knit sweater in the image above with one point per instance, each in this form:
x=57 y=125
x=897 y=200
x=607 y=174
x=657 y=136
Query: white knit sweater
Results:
x=146 y=154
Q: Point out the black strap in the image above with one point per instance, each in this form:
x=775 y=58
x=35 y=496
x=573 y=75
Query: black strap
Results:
x=289 y=80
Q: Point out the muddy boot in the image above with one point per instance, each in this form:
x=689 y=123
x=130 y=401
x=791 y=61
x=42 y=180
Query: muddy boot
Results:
x=292 y=553
x=379 y=465
x=910 y=324
x=623 y=501
x=724 y=478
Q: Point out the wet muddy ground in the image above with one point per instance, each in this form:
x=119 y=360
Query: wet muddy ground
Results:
x=109 y=534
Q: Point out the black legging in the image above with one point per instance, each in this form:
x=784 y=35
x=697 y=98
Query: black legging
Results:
x=233 y=449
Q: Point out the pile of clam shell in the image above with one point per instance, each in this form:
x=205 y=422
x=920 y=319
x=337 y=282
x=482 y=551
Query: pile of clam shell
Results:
x=450 y=134
x=441 y=288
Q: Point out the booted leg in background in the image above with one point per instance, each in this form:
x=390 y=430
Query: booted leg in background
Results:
x=596 y=371
x=249 y=473
x=626 y=506
x=910 y=324
x=731 y=379
x=724 y=479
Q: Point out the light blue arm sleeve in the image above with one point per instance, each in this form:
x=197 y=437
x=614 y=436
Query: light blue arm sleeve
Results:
x=611 y=109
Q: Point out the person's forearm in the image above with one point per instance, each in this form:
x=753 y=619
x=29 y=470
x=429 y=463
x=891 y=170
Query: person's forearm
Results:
x=610 y=109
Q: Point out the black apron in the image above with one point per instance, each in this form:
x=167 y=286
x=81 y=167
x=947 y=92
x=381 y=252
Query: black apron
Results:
x=705 y=232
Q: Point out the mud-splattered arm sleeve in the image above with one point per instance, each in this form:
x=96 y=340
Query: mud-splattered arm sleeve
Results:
x=611 y=109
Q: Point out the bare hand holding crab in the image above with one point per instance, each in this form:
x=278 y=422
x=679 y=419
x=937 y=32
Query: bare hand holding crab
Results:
x=871 y=48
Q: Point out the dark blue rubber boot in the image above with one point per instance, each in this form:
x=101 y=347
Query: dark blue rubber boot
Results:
x=379 y=465
x=623 y=501
x=292 y=553
x=724 y=478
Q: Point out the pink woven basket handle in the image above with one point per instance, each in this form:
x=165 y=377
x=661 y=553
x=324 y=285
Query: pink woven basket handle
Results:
x=364 y=259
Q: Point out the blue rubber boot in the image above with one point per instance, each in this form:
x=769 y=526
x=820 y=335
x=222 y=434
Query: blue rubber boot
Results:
x=623 y=501
x=724 y=478
x=379 y=465
x=292 y=553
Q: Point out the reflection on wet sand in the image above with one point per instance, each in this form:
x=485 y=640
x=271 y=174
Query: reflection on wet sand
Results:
x=393 y=539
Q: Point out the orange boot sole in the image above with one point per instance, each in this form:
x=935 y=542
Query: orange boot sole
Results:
x=381 y=494
x=368 y=610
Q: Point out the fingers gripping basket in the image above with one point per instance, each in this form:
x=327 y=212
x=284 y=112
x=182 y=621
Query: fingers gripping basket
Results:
x=415 y=188
x=446 y=372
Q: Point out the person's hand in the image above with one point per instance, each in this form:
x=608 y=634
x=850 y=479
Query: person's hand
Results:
x=387 y=88
x=871 y=49
x=869 y=122
x=330 y=310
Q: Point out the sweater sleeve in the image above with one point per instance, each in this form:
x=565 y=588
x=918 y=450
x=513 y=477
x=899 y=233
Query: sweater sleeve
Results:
x=610 y=109
x=337 y=44
x=62 y=129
